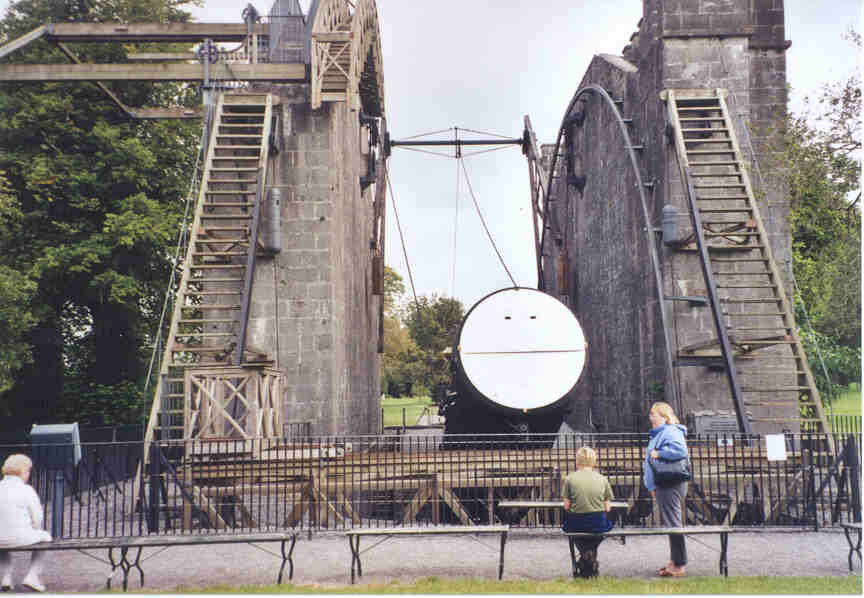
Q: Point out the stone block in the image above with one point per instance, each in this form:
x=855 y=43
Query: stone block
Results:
x=694 y=22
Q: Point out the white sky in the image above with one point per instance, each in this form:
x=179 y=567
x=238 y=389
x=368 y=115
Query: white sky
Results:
x=483 y=65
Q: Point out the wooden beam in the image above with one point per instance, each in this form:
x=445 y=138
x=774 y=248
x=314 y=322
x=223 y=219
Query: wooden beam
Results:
x=22 y=41
x=151 y=72
x=162 y=56
x=139 y=113
x=155 y=32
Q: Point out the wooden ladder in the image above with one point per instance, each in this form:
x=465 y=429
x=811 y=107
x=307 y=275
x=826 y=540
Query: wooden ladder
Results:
x=211 y=307
x=748 y=296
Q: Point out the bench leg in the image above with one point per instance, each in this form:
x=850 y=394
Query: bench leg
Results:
x=354 y=543
x=287 y=558
x=125 y=566
x=501 y=558
x=853 y=546
x=724 y=545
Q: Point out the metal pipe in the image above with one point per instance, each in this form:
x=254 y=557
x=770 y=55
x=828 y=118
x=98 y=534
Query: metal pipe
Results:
x=459 y=142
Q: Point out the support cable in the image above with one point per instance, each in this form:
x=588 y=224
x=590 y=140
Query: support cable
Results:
x=430 y=133
x=414 y=149
x=483 y=222
x=402 y=239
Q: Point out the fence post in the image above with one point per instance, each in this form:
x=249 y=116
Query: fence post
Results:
x=852 y=464
x=153 y=507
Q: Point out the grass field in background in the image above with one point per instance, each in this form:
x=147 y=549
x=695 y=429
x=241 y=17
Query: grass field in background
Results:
x=413 y=407
x=850 y=584
x=849 y=401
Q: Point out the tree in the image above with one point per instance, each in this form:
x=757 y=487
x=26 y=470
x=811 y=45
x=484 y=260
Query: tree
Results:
x=822 y=153
x=434 y=323
x=819 y=155
x=417 y=336
x=99 y=201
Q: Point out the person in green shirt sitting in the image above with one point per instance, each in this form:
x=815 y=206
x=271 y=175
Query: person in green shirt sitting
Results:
x=587 y=499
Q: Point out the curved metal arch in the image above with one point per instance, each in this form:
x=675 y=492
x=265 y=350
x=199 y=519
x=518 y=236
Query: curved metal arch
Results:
x=648 y=225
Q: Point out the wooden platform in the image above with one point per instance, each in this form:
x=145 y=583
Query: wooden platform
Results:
x=336 y=485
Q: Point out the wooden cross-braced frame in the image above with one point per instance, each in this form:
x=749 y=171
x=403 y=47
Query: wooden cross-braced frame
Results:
x=346 y=56
x=236 y=403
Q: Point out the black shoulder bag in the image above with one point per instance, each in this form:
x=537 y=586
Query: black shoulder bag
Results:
x=670 y=473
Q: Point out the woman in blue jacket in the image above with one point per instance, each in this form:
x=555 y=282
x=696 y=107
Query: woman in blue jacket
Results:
x=668 y=442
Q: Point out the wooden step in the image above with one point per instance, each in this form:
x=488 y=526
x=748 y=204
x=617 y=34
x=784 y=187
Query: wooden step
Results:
x=703 y=130
x=197 y=322
x=730 y=233
x=720 y=186
x=722 y=198
x=747 y=286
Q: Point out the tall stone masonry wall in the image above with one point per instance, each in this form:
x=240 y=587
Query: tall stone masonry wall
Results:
x=737 y=45
x=313 y=305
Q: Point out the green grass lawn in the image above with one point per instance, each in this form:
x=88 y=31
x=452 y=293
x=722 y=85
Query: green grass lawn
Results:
x=413 y=407
x=850 y=584
x=848 y=402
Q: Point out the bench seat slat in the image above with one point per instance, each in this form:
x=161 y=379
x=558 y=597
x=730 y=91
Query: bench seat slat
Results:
x=658 y=531
x=449 y=529
x=156 y=540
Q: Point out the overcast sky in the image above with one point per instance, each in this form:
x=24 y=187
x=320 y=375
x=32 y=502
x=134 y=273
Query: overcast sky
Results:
x=484 y=65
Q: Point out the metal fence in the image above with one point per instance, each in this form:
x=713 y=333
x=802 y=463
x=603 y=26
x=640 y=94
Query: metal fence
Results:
x=317 y=484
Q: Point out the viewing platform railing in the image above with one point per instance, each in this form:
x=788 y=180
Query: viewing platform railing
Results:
x=338 y=483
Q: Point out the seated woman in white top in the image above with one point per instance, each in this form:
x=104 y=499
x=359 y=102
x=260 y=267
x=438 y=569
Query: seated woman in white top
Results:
x=20 y=521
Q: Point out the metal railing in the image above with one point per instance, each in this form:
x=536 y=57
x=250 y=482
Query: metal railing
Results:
x=330 y=483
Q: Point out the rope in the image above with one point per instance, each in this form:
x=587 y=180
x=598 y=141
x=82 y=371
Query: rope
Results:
x=402 y=239
x=428 y=134
x=483 y=222
x=415 y=149
x=486 y=133
x=486 y=151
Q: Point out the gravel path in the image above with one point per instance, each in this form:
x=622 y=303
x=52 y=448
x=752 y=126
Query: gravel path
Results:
x=325 y=560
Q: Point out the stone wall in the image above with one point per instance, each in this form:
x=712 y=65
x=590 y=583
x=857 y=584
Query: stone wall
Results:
x=313 y=306
x=598 y=251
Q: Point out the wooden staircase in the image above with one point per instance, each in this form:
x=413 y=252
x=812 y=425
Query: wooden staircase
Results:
x=744 y=285
x=211 y=307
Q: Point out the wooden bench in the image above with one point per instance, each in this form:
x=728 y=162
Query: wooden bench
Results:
x=125 y=543
x=722 y=530
x=354 y=536
x=854 y=546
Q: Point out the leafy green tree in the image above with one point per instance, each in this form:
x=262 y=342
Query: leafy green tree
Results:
x=16 y=290
x=99 y=201
x=417 y=339
x=819 y=156
x=434 y=323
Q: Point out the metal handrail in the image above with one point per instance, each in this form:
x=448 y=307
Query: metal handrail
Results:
x=714 y=302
